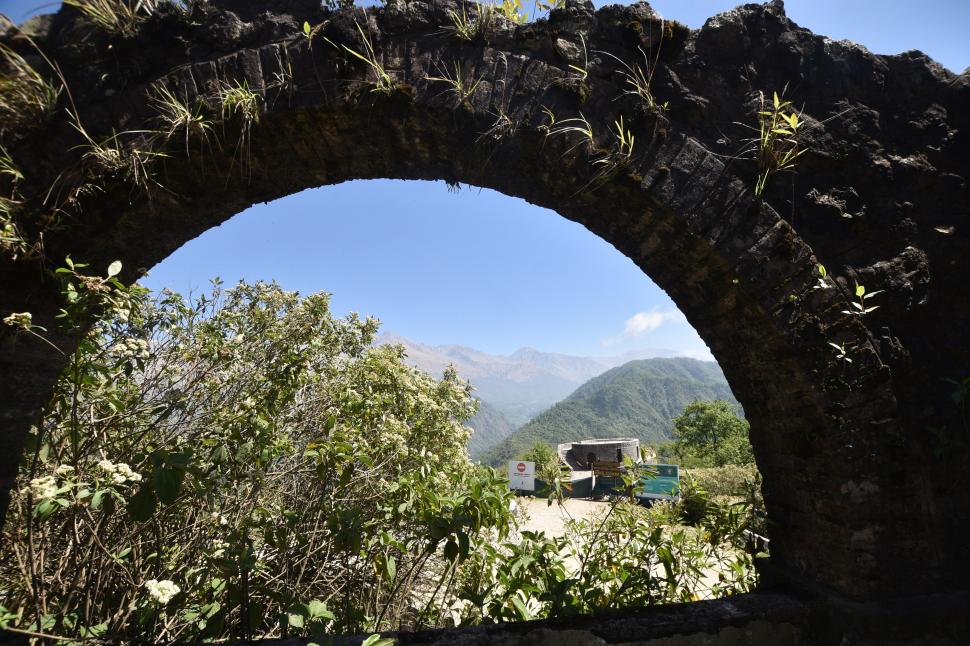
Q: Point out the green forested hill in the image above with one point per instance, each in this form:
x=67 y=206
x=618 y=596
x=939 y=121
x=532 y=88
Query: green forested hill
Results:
x=638 y=399
x=490 y=426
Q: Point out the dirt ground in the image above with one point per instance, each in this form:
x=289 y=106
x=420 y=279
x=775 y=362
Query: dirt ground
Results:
x=551 y=519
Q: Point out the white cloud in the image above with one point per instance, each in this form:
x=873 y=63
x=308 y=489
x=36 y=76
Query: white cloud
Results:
x=649 y=321
x=643 y=322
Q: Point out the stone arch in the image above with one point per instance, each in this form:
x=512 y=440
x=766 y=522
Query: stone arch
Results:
x=831 y=437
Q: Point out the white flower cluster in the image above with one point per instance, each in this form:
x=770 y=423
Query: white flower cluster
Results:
x=135 y=348
x=45 y=487
x=42 y=488
x=119 y=473
x=19 y=319
x=162 y=591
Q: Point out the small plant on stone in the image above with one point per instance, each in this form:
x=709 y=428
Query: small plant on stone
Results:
x=822 y=282
x=461 y=88
x=777 y=147
x=238 y=100
x=576 y=81
x=841 y=351
x=178 y=118
x=382 y=83
x=575 y=125
x=241 y=103
x=617 y=158
x=310 y=32
x=623 y=144
x=8 y=168
x=859 y=307
x=116 y=17
x=27 y=99
x=472 y=29
x=582 y=73
x=501 y=128
x=11 y=241
x=133 y=160
x=639 y=79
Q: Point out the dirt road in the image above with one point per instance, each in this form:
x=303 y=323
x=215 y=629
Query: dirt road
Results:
x=551 y=519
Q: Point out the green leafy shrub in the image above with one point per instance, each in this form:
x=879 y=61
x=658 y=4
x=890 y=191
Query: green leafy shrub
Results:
x=246 y=465
x=243 y=464
x=623 y=559
x=729 y=481
x=695 y=501
x=709 y=434
x=546 y=459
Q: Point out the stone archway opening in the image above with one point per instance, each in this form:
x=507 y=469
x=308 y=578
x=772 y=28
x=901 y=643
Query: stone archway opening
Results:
x=830 y=435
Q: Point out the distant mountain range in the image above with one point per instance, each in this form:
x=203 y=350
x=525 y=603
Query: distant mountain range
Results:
x=520 y=385
x=490 y=426
x=637 y=399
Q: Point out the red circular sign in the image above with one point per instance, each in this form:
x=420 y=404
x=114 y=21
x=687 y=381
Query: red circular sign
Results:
x=520 y=467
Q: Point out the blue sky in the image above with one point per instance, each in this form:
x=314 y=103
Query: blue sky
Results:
x=489 y=271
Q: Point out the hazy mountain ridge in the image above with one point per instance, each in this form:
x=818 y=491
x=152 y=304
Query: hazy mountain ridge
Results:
x=490 y=427
x=519 y=385
x=637 y=399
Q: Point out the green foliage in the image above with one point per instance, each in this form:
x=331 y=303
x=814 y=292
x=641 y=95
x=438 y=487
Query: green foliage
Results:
x=710 y=433
x=860 y=307
x=129 y=155
x=382 y=82
x=116 y=17
x=626 y=558
x=513 y=11
x=477 y=28
x=244 y=464
x=243 y=105
x=639 y=79
x=461 y=88
x=695 y=501
x=12 y=243
x=638 y=399
x=180 y=119
x=27 y=99
x=731 y=481
x=777 y=147
x=546 y=459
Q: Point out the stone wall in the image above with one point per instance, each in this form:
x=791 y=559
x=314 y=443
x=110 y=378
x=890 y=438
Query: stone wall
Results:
x=865 y=463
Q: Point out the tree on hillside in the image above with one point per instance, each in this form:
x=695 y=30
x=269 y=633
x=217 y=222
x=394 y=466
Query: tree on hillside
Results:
x=547 y=462
x=713 y=434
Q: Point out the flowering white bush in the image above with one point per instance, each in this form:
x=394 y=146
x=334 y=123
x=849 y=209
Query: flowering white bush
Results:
x=19 y=319
x=130 y=348
x=42 y=488
x=250 y=433
x=119 y=473
x=161 y=591
x=265 y=475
